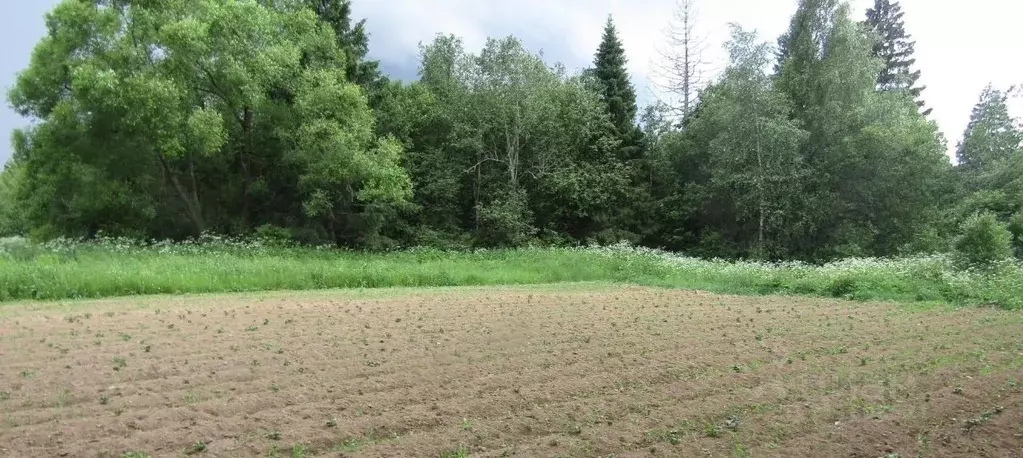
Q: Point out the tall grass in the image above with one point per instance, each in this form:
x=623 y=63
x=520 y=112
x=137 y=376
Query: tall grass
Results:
x=65 y=269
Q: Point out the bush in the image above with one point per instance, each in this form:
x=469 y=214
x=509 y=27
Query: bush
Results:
x=983 y=243
x=274 y=235
x=506 y=222
x=1016 y=228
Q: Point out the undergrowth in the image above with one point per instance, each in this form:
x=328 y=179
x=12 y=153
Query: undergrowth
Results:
x=65 y=269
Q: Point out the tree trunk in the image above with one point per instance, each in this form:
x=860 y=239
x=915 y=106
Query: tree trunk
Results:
x=246 y=152
x=191 y=202
x=332 y=228
x=760 y=191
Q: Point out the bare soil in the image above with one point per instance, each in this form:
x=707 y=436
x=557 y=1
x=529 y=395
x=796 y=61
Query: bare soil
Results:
x=578 y=370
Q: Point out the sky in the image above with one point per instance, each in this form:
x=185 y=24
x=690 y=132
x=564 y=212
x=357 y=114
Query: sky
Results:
x=960 y=48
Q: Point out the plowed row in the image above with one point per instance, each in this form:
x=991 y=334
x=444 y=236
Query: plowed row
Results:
x=578 y=370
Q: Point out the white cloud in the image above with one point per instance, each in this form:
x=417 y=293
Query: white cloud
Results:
x=959 y=50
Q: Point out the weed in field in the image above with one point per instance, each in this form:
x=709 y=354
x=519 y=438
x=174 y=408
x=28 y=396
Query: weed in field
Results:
x=460 y=452
x=274 y=387
x=103 y=399
x=711 y=430
x=740 y=451
x=5 y=395
x=273 y=434
x=26 y=373
x=984 y=417
x=331 y=422
x=62 y=397
x=119 y=363
x=251 y=328
x=124 y=336
x=134 y=454
x=197 y=447
x=298 y=450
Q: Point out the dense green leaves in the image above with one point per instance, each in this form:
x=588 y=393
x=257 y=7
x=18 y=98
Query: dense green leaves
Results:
x=984 y=242
x=894 y=47
x=609 y=68
x=168 y=119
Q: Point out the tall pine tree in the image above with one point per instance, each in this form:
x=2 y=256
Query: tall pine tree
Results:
x=617 y=91
x=992 y=135
x=895 y=49
x=352 y=39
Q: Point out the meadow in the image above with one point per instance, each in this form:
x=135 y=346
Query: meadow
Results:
x=110 y=267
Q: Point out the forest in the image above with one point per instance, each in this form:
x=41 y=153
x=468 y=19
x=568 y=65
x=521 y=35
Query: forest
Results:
x=173 y=119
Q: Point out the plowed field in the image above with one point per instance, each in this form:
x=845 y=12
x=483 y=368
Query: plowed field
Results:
x=579 y=370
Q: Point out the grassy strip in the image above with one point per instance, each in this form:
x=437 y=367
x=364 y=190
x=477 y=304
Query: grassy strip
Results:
x=119 y=268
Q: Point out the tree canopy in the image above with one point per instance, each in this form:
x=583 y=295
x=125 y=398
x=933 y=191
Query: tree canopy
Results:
x=170 y=119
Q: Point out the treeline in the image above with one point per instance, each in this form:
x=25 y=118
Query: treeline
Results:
x=169 y=119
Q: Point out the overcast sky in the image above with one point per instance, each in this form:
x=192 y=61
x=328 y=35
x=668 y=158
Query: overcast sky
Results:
x=960 y=47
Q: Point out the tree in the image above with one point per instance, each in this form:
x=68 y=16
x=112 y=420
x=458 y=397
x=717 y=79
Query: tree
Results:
x=616 y=88
x=992 y=135
x=895 y=49
x=344 y=166
x=172 y=118
x=990 y=156
x=802 y=48
x=984 y=242
x=682 y=61
x=755 y=165
x=875 y=160
x=511 y=148
x=11 y=220
x=351 y=39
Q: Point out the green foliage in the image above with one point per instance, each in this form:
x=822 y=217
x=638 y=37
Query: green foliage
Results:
x=754 y=167
x=984 y=242
x=877 y=161
x=614 y=85
x=894 y=47
x=1016 y=228
x=992 y=137
x=118 y=267
x=11 y=216
x=351 y=39
x=173 y=119
x=505 y=222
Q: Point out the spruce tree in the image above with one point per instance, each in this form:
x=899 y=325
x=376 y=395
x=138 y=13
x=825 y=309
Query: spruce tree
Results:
x=616 y=90
x=352 y=39
x=894 y=48
x=992 y=134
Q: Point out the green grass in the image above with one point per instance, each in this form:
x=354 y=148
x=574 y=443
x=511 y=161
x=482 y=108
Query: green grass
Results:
x=113 y=267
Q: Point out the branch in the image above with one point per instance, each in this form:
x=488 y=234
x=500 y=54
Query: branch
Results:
x=490 y=159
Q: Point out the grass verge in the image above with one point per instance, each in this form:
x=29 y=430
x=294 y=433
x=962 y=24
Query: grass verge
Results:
x=117 y=267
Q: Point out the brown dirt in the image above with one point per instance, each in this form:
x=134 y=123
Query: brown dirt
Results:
x=577 y=370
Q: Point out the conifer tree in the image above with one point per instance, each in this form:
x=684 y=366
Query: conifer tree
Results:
x=352 y=39
x=616 y=90
x=895 y=49
x=991 y=136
